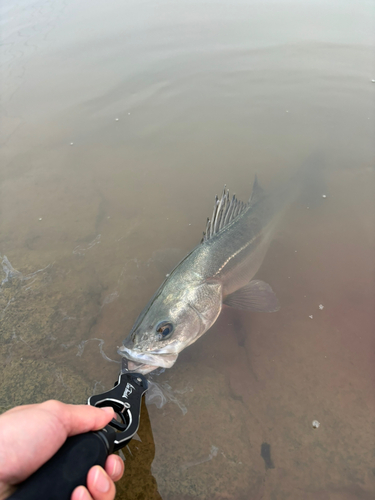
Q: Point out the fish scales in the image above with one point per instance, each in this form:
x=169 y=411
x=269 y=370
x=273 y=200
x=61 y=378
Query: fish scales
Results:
x=218 y=271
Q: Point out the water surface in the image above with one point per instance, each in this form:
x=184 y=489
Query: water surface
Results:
x=120 y=122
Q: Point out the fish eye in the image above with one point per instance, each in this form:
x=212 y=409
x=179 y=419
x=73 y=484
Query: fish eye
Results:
x=164 y=330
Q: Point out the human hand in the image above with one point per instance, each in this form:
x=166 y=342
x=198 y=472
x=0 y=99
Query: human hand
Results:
x=48 y=425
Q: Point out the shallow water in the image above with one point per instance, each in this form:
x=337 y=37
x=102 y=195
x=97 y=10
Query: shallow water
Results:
x=120 y=122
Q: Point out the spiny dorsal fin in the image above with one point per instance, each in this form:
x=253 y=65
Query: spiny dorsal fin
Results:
x=257 y=192
x=225 y=211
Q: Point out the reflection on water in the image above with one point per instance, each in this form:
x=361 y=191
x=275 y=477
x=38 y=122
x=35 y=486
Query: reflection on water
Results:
x=120 y=120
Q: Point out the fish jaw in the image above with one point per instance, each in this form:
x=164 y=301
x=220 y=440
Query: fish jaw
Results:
x=145 y=362
x=140 y=368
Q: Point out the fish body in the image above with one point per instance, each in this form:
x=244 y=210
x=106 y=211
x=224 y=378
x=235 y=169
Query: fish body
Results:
x=218 y=271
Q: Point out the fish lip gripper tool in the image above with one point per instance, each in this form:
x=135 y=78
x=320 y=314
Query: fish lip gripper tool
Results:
x=68 y=468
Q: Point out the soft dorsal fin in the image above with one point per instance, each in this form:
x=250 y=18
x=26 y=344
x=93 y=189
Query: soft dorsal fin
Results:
x=257 y=192
x=225 y=211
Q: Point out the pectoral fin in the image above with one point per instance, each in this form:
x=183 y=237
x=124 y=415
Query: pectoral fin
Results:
x=255 y=296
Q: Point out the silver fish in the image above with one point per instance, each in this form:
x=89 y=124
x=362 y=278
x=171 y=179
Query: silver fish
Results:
x=218 y=271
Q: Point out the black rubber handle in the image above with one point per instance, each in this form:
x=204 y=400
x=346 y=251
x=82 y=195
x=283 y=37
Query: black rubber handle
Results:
x=66 y=470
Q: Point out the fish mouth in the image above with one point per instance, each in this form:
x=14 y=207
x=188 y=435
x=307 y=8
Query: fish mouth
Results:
x=140 y=367
x=146 y=362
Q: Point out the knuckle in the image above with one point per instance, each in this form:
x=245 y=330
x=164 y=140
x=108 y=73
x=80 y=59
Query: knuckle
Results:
x=53 y=406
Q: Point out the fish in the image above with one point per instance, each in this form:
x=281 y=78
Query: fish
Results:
x=217 y=272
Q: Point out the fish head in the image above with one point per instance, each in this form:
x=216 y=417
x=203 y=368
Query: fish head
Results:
x=169 y=323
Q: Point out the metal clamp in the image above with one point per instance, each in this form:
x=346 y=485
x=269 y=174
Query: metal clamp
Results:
x=125 y=398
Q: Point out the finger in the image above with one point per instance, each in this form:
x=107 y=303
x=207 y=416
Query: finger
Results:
x=114 y=467
x=20 y=408
x=100 y=485
x=81 y=493
x=78 y=419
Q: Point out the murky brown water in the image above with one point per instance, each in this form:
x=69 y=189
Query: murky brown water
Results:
x=120 y=121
